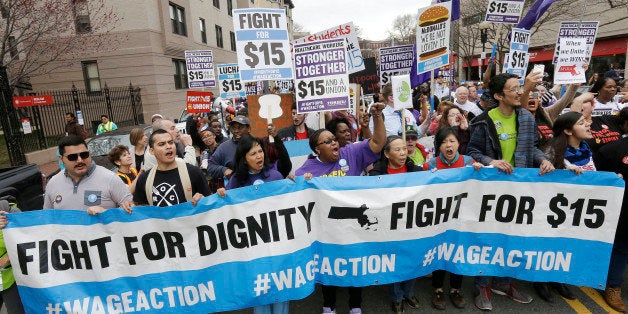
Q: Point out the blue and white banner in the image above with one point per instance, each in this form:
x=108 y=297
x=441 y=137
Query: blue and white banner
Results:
x=272 y=242
x=262 y=44
x=518 y=56
x=229 y=77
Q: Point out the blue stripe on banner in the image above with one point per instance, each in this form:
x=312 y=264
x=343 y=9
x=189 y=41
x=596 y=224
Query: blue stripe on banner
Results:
x=266 y=74
x=266 y=34
x=236 y=285
x=298 y=148
x=521 y=175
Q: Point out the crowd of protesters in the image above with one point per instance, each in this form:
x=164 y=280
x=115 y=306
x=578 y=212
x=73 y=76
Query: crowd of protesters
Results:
x=504 y=125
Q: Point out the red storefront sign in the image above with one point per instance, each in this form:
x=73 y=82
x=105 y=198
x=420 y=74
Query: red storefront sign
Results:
x=30 y=101
x=197 y=102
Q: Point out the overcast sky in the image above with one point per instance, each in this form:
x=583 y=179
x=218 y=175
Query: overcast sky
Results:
x=373 y=17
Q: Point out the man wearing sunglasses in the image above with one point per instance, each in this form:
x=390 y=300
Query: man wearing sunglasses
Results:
x=83 y=184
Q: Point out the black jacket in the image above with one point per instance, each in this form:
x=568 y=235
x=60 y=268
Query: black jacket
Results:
x=381 y=167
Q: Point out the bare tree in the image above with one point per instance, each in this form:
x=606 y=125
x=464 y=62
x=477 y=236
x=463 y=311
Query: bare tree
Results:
x=39 y=36
x=404 y=29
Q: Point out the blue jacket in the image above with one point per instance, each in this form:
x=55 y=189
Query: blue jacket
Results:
x=484 y=143
x=222 y=159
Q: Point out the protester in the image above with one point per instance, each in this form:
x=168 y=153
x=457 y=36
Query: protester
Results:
x=216 y=127
x=604 y=102
x=462 y=101
x=251 y=168
x=172 y=181
x=84 y=185
x=183 y=144
x=438 y=116
x=455 y=118
x=593 y=78
x=440 y=89
x=416 y=152
x=395 y=160
x=473 y=94
x=121 y=157
x=341 y=129
x=604 y=129
x=298 y=130
x=614 y=157
x=9 y=295
x=351 y=160
x=106 y=125
x=544 y=116
x=392 y=117
x=512 y=129
x=139 y=140
x=72 y=127
x=344 y=114
x=447 y=143
x=156 y=117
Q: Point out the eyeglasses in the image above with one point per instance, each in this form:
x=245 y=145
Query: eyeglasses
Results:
x=517 y=89
x=328 y=141
x=74 y=157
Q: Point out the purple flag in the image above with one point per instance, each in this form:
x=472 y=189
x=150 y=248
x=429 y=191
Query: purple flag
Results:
x=455 y=8
x=536 y=11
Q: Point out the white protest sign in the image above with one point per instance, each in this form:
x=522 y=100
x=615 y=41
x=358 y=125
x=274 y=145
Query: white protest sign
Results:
x=432 y=37
x=262 y=44
x=322 y=82
x=518 y=56
x=500 y=11
x=394 y=61
x=200 y=67
x=586 y=30
x=355 y=62
x=354 y=91
x=572 y=55
x=402 y=92
x=229 y=77
x=26 y=126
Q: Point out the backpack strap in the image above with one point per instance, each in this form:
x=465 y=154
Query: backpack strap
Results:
x=186 y=183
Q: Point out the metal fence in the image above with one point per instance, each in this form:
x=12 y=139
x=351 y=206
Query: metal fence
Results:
x=123 y=106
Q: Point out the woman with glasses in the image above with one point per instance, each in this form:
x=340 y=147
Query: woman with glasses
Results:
x=456 y=118
x=329 y=159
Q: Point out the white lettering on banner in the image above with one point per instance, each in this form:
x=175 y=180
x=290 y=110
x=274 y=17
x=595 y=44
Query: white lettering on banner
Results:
x=487 y=255
x=138 y=300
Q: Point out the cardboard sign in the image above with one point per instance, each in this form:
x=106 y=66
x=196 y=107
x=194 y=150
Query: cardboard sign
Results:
x=259 y=125
x=229 y=77
x=402 y=92
x=200 y=67
x=504 y=11
x=368 y=79
x=322 y=83
x=394 y=61
x=262 y=44
x=572 y=55
x=432 y=37
x=586 y=30
x=518 y=56
x=197 y=102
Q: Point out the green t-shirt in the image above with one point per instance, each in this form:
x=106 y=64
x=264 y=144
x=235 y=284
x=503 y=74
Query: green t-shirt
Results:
x=417 y=158
x=506 y=127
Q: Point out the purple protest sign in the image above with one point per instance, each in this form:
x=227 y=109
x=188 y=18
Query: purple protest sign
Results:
x=322 y=82
x=200 y=68
x=395 y=61
x=504 y=11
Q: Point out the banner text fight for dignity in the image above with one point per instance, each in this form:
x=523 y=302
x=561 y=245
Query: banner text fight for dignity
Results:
x=273 y=242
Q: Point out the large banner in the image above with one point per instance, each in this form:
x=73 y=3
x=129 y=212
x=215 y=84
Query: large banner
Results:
x=272 y=242
x=263 y=44
x=321 y=79
x=394 y=61
x=355 y=62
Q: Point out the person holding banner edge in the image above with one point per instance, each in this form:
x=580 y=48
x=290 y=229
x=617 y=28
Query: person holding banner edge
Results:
x=351 y=160
x=504 y=136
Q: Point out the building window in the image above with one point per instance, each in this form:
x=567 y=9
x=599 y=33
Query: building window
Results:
x=233 y=41
x=180 y=74
x=13 y=48
x=91 y=76
x=201 y=25
x=219 y=37
x=81 y=17
x=177 y=17
x=230 y=7
x=217 y=4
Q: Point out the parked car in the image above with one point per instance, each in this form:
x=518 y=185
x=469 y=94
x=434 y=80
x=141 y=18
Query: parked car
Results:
x=100 y=145
x=24 y=185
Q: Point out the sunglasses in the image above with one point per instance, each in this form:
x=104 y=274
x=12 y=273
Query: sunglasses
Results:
x=328 y=141
x=74 y=157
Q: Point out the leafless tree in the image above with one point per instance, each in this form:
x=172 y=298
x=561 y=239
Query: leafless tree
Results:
x=404 y=29
x=39 y=36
